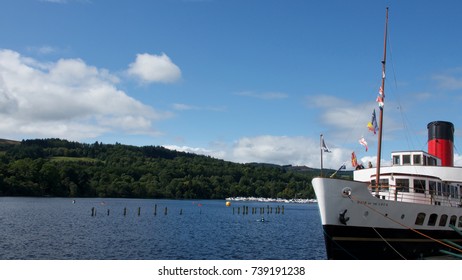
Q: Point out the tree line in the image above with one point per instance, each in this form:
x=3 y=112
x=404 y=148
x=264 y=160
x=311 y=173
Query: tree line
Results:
x=56 y=167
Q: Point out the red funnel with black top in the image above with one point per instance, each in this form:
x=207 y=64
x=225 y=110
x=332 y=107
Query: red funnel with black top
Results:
x=440 y=141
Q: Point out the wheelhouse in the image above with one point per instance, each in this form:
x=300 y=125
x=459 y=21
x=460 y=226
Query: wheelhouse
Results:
x=419 y=158
x=403 y=183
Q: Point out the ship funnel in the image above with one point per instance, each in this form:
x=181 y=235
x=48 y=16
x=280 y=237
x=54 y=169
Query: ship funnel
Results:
x=440 y=141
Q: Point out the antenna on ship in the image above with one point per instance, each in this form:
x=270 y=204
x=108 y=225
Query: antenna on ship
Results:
x=381 y=99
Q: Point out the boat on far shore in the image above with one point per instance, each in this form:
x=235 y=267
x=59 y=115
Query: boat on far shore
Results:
x=277 y=200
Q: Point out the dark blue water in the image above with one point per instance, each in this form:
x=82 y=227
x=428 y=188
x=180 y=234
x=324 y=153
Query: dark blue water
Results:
x=57 y=228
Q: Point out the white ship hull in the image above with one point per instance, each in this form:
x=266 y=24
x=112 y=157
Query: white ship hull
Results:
x=358 y=225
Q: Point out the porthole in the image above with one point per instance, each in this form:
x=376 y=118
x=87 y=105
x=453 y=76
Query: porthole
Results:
x=432 y=219
x=420 y=219
x=402 y=217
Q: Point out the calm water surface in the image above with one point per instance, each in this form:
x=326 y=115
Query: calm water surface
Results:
x=57 y=228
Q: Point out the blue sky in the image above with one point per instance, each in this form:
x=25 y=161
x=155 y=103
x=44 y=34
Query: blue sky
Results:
x=240 y=80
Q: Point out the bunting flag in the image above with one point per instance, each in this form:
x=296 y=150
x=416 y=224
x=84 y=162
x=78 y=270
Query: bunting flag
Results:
x=354 y=161
x=324 y=146
x=380 y=97
x=363 y=142
x=380 y=101
x=372 y=125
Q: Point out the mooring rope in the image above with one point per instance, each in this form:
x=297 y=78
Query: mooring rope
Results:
x=338 y=245
x=412 y=229
x=396 y=251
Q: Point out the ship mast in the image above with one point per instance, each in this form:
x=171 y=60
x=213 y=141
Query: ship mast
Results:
x=382 y=96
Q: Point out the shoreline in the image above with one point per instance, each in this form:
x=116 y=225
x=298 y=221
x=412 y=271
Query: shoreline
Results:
x=279 y=200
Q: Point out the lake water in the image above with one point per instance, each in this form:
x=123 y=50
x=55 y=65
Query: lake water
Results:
x=58 y=229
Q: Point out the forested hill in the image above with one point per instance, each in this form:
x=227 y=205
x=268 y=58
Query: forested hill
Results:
x=55 y=167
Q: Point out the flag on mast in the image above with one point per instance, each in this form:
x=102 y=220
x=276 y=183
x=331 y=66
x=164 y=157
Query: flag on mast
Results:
x=372 y=125
x=354 y=161
x=363 y=142
x=379 y=99
x=324 y=146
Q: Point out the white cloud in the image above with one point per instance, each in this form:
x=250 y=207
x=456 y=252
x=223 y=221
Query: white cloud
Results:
x=457 y=160
x=187 y=107
x=66 y=99
x=285 y=150
x=448 y=82
x=282 y=150
x=220 y=154
x=154 y=68
x=184 y=107
x=263 y=95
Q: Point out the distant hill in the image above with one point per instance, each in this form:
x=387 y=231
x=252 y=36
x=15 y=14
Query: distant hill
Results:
x=8 y=142
x=56 y=167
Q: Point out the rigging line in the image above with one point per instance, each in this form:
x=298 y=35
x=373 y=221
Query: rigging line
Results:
x=391 y=58
x=409 y=228
x=404 y=119
x=356 y=125
x=338 y=245
x=400 y=107
x=396 y=251
x=455 y=148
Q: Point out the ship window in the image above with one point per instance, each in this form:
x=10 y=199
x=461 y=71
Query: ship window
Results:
x=396 y=160
x=431 y=161
x=419 y=186
x=432 y=219
x=454 y=192
x=425 y=160
x=440 y=191
x=402 y=185
x=406 y=159
x=459 y=224
x=384 y=182
x=432 y=187
x=417 y=159
x=445 y=190
x=443 y=220
x=420 y=219
x=453 y=219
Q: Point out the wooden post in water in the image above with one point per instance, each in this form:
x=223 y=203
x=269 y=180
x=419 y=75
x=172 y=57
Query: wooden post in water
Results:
x=181 y=211
x=155 y=209
x=93 y=211
x=125 y=211
x=139 y=211
x=282 y=209
x=239 y=210
x=165 y=210
x=108 y=212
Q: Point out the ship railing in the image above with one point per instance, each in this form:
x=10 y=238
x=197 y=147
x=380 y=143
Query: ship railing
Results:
x=401 y=194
